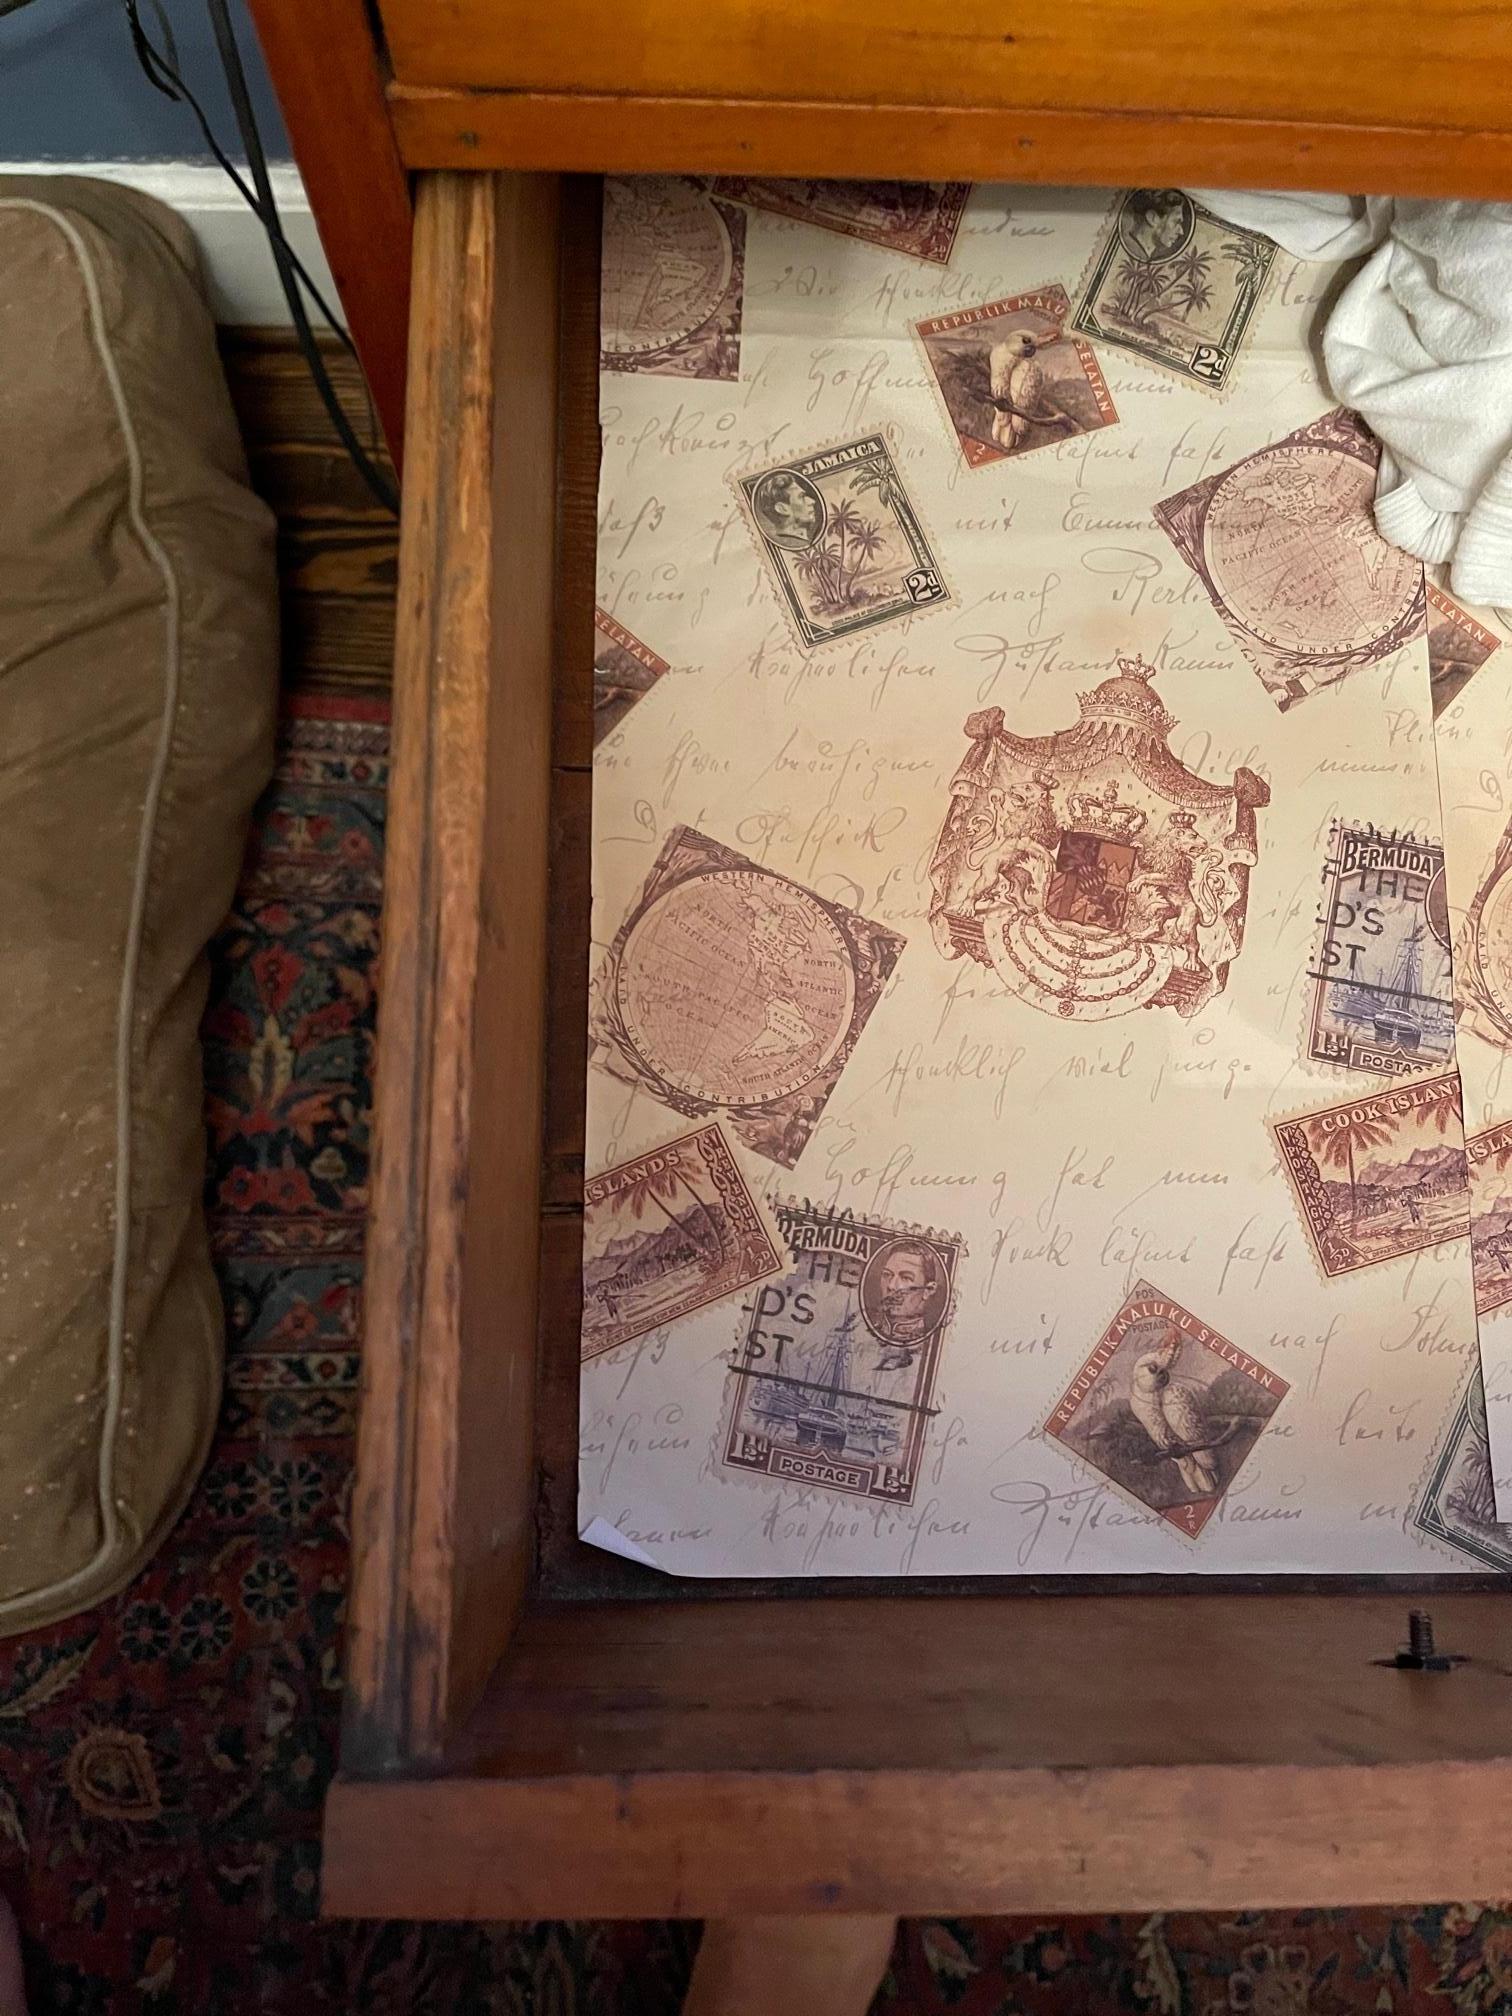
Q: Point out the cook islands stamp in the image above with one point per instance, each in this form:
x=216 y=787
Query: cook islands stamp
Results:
x=1488 y=1156
x=668 y=1232
x=832 y=1381
x=1166 y=1408
x=841 y=541
x=919 y=219
x=1011 y=379
x=1484 y=969
x=1458 y=646
x=1456 y=1502
x=1376 y=1178
x=1285 y=545
x=624 y=671
x=1381 y=990
x=673 y=279
x=731 y=991
x=1175 y=285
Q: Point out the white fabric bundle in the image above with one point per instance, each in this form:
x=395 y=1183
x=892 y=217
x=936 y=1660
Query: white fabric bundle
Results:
x=1420 y=344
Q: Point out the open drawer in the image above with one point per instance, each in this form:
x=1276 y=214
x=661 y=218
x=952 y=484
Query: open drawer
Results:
x=536 y=1729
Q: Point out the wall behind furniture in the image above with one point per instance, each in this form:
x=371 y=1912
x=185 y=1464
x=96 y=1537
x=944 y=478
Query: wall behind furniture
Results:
x=70 y=88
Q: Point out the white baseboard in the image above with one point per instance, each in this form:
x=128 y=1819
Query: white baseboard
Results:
x=243 y=282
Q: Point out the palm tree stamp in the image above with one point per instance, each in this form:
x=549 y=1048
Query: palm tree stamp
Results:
x=918 y=219
x=1456 y=1503
x=842 y=543
x=1175 y=285
x=668 y=1232
x=1377 y=1178
x=1011 y=378
x=1166 y=1408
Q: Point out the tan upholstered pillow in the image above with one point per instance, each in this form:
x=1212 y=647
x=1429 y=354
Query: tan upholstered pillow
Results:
x=137 y=688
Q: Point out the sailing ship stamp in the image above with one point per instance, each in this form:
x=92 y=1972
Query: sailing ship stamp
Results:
x=918 y=219
x=667 y=1232
x=1166 y=1408
x=832 y=1382
x=624 y=671
x=1456 y=1502
x=1011 y=379
x=1175 y=285
x=1484 y=968
x=842 y=543
x=730 y=991
x=1377 y=1178
x=671 y=296
x=1382 y=993
x=1458 y=646
x=1285 y=545
x=1488 y=1156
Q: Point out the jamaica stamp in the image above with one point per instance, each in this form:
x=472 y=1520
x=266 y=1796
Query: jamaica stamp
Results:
x=668 y=1232
x=1488 y=1156
x=1376 y=1178
x=1381 y=990
x=841 y=541
x=918 y=219
x=1456 y=1501
x=1175 y=285
x=624 y=671
x=1011 y=379
x=729 y=990
x=832 y=1381
x=1458 y=646
x=1166 y=1408
x=671 y=294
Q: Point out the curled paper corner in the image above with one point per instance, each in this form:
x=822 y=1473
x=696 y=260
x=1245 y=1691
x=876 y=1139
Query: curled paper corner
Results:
x=599 y=1533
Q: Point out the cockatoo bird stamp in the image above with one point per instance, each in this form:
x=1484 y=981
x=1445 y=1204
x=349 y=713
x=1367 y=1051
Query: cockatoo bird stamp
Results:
x=1166 y=1408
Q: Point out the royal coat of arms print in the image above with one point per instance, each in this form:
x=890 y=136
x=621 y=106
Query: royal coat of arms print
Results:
x=1090 y=869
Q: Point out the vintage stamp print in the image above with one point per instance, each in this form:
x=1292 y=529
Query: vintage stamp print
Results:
x=1483 y=972
x=1011 y=378
x=919 y=219
x=833 y=1378
x=1285 y=545
x=1166 y=1408
x=1488 y=1156
x=668 y=1232
x=841 y=541
x=1381 y=994
x=1458 y=646
x=673 y=279
x=624 y=671
x=731 y=991
x=1175 y=285
x=1456 y=1503
x=1379 y=1177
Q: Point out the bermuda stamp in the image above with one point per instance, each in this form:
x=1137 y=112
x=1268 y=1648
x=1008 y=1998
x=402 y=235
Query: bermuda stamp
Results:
x=1483 y=971
x=1456 y=1502
x=919 y=219
x=1377 y=1178
x=1458 y=646
x=673 y=279
x=833 y=1378
x=730 y=990
x=842 y=543
x=1382 y=992
x=624 y=671
x=1166 y=1408
x=1011 y=379
x=1488 y=1156
x=1285 y=545
x=1175 y=285
x=668 y=1232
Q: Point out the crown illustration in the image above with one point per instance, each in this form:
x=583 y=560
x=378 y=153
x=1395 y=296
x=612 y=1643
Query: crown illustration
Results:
x=1103 y=814
x=1129 y=696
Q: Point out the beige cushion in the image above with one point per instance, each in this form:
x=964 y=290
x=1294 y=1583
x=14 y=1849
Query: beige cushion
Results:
x=137 y=687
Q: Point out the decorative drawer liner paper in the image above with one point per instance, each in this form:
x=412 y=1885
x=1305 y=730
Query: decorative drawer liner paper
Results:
x=1052 y=907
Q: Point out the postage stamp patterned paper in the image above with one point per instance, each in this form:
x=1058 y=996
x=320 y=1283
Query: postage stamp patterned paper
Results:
x=1011 y=379
x=1376 y=1178
x=1456 y=1505
x=1175 y=285
x=667 y=1232
x=624 y=671
x=1166 y=1408
x=1381 y=992
x=833 y=1379
x=1458 y=646
x=919 y=219
x=673 y=279
x=1488 y=1156
x=842 y=543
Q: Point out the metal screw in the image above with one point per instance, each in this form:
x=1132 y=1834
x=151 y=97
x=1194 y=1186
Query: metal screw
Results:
x=1419 y=1654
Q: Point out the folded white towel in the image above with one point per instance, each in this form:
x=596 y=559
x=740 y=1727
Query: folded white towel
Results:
x=1420 y=344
